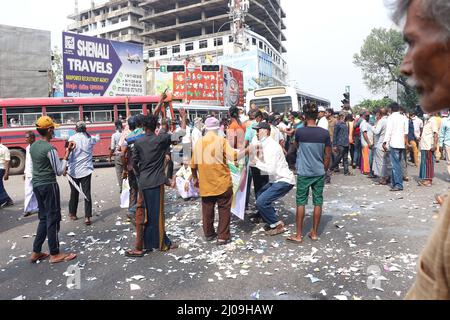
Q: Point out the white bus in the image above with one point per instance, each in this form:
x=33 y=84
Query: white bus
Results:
x=282 y=99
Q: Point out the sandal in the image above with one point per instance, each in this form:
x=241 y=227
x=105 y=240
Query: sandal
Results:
x=293 y=240
x=277 y=230
x=134 y=253
x=221 y=242
x=64 y=258
x=41 y=256
x=73 y=217
x=313 y=239
x=87 y=221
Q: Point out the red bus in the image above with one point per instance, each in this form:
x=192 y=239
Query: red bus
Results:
x=20 y=115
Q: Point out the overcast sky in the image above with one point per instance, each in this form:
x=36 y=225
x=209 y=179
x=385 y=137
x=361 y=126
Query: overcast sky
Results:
x=322 y=37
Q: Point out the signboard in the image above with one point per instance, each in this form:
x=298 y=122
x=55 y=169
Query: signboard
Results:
x=99 y=67
x=226 y=86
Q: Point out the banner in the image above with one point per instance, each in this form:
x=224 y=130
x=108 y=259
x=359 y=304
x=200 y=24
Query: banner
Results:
x=239 y=177
x=99 y=67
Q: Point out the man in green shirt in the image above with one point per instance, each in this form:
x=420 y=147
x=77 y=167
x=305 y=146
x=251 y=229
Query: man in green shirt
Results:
x=46 y=166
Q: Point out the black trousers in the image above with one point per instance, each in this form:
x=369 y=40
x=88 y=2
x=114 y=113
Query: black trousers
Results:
x=48 y=199
x=85 y=183
x=342 y=155
x=134 y=190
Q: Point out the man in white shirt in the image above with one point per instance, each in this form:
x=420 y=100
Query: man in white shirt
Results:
x=366 y=143
x=197 y=131
x=272 y=162
x=184 y=181
x=396 y=140
x=381 y=161
x=323 y=121
x=5 y=158
x=30 y=205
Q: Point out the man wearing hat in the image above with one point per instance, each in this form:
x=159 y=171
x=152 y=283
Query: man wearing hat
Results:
x=323 y=121
x=46 y=166
x=272 y=162
x=212 y=175
x=80 y=170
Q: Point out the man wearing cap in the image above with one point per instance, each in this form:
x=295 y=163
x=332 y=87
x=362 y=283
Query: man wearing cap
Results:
x=272 y=162
x=212 y=175
x=323 y=121
x=80 y=170
x=46 y=166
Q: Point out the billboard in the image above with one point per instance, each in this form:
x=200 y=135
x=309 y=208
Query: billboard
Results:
x=99 y=67
x=225 y=86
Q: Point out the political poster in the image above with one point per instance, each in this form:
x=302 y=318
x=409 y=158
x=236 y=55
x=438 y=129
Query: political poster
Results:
x=239 y=177
x=99 y=67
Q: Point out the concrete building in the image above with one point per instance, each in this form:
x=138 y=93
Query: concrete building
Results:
x=113 y=20
x=25 y=62
x=210 y=31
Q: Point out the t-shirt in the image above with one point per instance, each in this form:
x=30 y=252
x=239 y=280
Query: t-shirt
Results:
x=250 y=133
x=366 y=127
x=311 y=150
x=4 y=155
x=323 y=123
x=235 y=130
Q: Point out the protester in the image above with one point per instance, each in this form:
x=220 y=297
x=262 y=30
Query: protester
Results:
x=80 y=170
x=212 y=175
x=313 y=161
x=366 y=143
x=136 y=132
x=427 y=31
x=5 y=158
x=349 y=120
x=396 y=140
x=428 y=146
x=30 y=205
x=437 y=153
x=341 y=145
x=323 y=121
x=444 y=141
x=236 y=129
x=404 y=158
x=381 y=163
x=281 y=180
x=148 y=162
x=184 y=181
x=414 y=133
x=114 y=150
x=197 y=132
x=46 y=166
x=357 y=140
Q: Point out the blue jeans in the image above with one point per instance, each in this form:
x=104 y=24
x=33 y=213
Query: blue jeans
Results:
x=3 y=195
x=270 y=193
x=357 y=152
x=397 y=173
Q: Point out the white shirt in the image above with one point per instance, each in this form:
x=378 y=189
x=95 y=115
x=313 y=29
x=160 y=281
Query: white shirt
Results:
x=184 y=172
x=282 y=127
x=418 y=124
x=396 y=129
x=28 y=172
x=187 y=137
x=429 y=129
x=380 y=132
x=275 y=134
x=4 y=156
x=323 y=123
x=274 y=163
x=366 y=127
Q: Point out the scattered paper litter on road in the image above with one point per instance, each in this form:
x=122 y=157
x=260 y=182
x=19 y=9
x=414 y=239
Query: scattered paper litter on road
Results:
x=71 y=234
x=134 y=287
x=281 y=293
x=47 y=282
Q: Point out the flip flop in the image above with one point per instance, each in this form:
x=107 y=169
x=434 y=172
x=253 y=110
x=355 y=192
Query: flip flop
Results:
x=291 y=240
x=42 y=256
x=313 y=239
x=66 y=258
x=223 y=242
x=276 y=231
x=134 y=254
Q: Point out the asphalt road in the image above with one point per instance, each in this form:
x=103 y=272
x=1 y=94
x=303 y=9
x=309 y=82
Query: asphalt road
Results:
x=369 y=243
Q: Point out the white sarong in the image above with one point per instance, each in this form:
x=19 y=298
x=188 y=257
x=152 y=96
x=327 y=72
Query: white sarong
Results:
x=30 y=205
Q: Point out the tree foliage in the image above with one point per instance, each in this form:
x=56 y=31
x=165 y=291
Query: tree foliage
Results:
x=373 y=105
x=56 y=75
x=380 y=59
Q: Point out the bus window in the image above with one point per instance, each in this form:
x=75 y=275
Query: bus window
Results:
x=64 y=115
x=96 y=114
x=17 y=117
x=281 y=104
x=1 y=117
x=151 y=107
x=261 y=103
x=134 y=110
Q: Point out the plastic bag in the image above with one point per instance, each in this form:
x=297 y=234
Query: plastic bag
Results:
x=125 y=195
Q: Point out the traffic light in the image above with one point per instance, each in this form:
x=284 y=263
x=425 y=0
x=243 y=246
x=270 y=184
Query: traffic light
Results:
x=346 y=98
x=172 y=68
x=210 y=68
